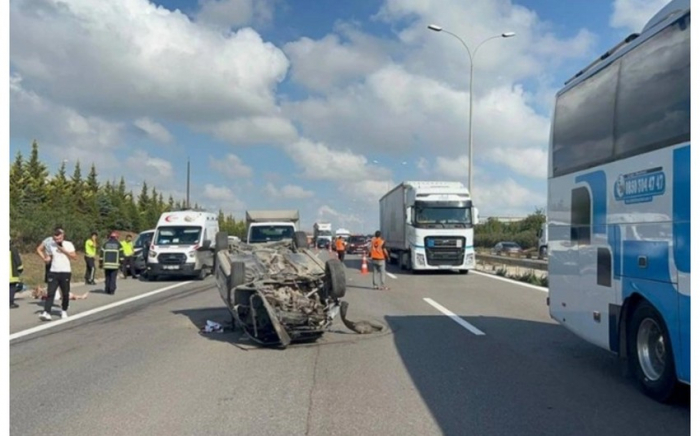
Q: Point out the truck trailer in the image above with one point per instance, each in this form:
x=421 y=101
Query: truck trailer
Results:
x=271 y=225
x=429 y=225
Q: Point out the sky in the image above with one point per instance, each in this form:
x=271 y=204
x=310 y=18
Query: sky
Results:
x=320 y=106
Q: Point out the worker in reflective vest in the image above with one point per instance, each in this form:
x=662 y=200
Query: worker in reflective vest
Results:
x=16 y=269
x=378 y=254
x=111 y=260
x=128 y=247
x=340 y=248
x=90 y=253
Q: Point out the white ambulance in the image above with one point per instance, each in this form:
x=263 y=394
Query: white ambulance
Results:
x=183 y=245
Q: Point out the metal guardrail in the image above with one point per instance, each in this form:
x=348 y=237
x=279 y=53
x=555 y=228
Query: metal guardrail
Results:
x=537 y=264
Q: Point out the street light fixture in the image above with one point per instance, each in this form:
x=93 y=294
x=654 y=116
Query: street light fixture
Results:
x=436 y=28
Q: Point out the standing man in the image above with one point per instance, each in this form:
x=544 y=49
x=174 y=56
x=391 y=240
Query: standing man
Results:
x=378 y=255
x=61 y=252
x=340 y=248
x=110 y=260
x=90 y=253
x=45 y=253
x=16 y=269
x=128 y=248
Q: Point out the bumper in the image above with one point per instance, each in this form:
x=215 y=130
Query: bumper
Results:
x=185 y=269
x=420 y=262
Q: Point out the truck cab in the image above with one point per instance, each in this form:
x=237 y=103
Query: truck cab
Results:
x=270 y=225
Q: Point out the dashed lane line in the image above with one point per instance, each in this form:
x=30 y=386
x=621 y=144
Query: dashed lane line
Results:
x=454 y=317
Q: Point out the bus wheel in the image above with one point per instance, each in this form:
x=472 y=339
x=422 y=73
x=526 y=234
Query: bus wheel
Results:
x=650 y=354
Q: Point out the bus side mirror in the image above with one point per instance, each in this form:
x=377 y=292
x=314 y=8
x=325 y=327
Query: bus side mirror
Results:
x=475 y=216
x=408 y=215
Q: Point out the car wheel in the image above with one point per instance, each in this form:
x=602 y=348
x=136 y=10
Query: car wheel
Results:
x=650 y=353
x=300 y=241
x=335 y=279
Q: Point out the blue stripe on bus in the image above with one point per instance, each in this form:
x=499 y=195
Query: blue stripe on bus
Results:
x=681 y=208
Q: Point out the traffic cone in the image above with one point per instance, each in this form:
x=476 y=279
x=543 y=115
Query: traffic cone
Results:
x=364 y=265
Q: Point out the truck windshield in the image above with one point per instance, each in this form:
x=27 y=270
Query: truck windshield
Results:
x=443 y=216
x=178 y=235
x=325 y=233
x=270 y=233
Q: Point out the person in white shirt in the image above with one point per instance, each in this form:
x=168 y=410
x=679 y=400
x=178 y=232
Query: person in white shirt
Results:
x=59 y=253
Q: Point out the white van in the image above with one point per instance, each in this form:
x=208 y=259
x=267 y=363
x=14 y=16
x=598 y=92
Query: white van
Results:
x=183 y=245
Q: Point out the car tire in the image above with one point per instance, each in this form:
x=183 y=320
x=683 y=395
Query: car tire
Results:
x=654 y=373
x=335 y=279
x=300 y=241
x=221 y=241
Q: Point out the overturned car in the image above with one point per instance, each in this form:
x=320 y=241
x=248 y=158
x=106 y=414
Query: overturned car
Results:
x=278 y=292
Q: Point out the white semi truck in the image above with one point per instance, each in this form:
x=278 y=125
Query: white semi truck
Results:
x=429 y=225
x=323 y=233
x=271 y=225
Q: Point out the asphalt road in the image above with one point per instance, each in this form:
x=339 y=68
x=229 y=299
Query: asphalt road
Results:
x=144 y=368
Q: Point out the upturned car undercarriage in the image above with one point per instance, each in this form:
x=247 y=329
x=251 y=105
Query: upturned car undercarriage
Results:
x=278 y=292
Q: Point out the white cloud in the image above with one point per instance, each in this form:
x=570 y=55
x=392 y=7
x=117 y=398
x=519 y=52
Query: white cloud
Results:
x=153 y=129
x=339 y=219
x=158 y=170
x=231 y=166
x=63 y=132
x=632 y=15
x=289 y=192
x=457 y=169
x=235 y=13
x=323 y=64
x=531 y=162
x=222 y=197
x=120 y=57
x=506 y=198
x=253 y=130
x=322 y=163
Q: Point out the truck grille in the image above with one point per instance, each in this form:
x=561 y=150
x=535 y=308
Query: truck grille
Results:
x=172 y=258
x=441 y=251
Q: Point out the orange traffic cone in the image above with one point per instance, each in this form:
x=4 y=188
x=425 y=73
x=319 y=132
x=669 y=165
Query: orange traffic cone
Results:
x=364 y=265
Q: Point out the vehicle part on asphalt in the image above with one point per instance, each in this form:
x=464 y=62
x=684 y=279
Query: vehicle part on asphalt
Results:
x=361 y=327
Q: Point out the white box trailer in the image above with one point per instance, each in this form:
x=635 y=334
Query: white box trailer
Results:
x=429 y=225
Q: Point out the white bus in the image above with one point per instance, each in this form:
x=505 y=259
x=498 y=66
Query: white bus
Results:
x=619 y=202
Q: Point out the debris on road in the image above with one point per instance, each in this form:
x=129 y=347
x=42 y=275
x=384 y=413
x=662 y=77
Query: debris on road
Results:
x=361 y=327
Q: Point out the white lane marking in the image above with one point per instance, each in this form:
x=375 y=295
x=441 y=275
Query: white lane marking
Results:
x=454 y=317
x=514 y=282
x=51 y=324
x=391 y=275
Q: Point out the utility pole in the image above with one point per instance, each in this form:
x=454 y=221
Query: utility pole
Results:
x=188 y=183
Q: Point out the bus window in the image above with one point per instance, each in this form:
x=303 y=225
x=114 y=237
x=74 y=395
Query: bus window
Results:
x=581 y=216
x=583 y=123
x=653 y=102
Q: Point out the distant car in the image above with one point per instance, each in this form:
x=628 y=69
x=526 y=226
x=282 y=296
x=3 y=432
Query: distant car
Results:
x=506 y=248
x=141 y=246
x=323 y=243
x=357 y=244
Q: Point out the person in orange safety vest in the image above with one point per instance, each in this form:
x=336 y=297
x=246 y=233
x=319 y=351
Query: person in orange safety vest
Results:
x=379 y=255
x=340 y=245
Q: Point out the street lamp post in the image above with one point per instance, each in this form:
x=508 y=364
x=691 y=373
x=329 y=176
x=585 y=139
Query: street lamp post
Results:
x=437 y=28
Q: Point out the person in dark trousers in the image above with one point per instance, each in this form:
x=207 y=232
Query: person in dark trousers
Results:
x=60 y=254
x=111 y=260
x=340 y=246
x=90 y=253
x=128 y=263
x=16 y=269
x=43 y=251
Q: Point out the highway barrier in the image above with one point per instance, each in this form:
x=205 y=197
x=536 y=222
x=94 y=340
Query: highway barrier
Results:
x=537 y=264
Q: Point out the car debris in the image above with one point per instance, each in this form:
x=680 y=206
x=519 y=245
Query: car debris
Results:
x=361 y=327
x=278 y=292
